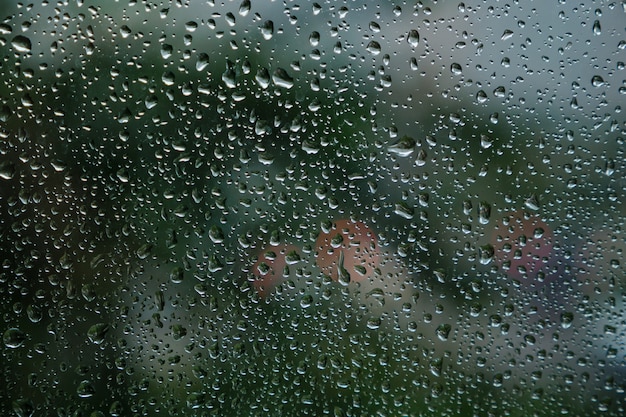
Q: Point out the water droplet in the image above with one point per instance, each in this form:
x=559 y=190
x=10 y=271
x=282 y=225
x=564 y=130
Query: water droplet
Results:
x=244 y=8
x=597 y=29
x=485 y=141
x=21 y=44
x=178 y=331
x=168 y=78
x=374 y=323
x=230 y=19
x=85 y=389
x=216 y=234
x=484 y=212
x=485 y=254
x=262 y=78
x=374 y=27
x=435 y=366
x=314 y=38
x=532 y=202
x=507 y=34
x=5 y=29
x=475 y=309
x=229 y=78
x=413 y=38
x=442 y=331
x=481 y=96
x=23 y=407
x=373 y=48
x=306 y=301
x=499 y=92
x=282 y=79
x=456 y=69
x=265 y=158
x=13 y=338
x=151 y=101
x=144 y=251
x=177 y=275
x=343 y=276
x=267 y=30
x=97 y=332
x=403 y=210
x=403 y=147
x=202 y=61
x=609 y=167
x=597 y=81
x=7 y=170
x=566 y=320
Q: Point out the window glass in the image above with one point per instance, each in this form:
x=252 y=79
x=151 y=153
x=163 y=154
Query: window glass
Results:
x=345 y=208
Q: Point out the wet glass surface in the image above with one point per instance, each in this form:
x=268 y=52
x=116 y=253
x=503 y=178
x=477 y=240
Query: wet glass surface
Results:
x=347 y=208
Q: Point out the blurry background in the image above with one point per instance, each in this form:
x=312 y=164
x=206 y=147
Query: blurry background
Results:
x=332 y=208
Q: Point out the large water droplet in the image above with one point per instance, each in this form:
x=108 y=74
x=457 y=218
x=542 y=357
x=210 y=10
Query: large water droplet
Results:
x=267 y=30
x=507 y=34
x=244 y=8
x=484 y=212
x=413 y=38
x=456 y=69
x=21 y=44
x=13 y=338
x=373 y=48
x=597 y=81
x=202 y=62
x=97 y=332
x=597 y=29
x=282 y=79
x=403 y=147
